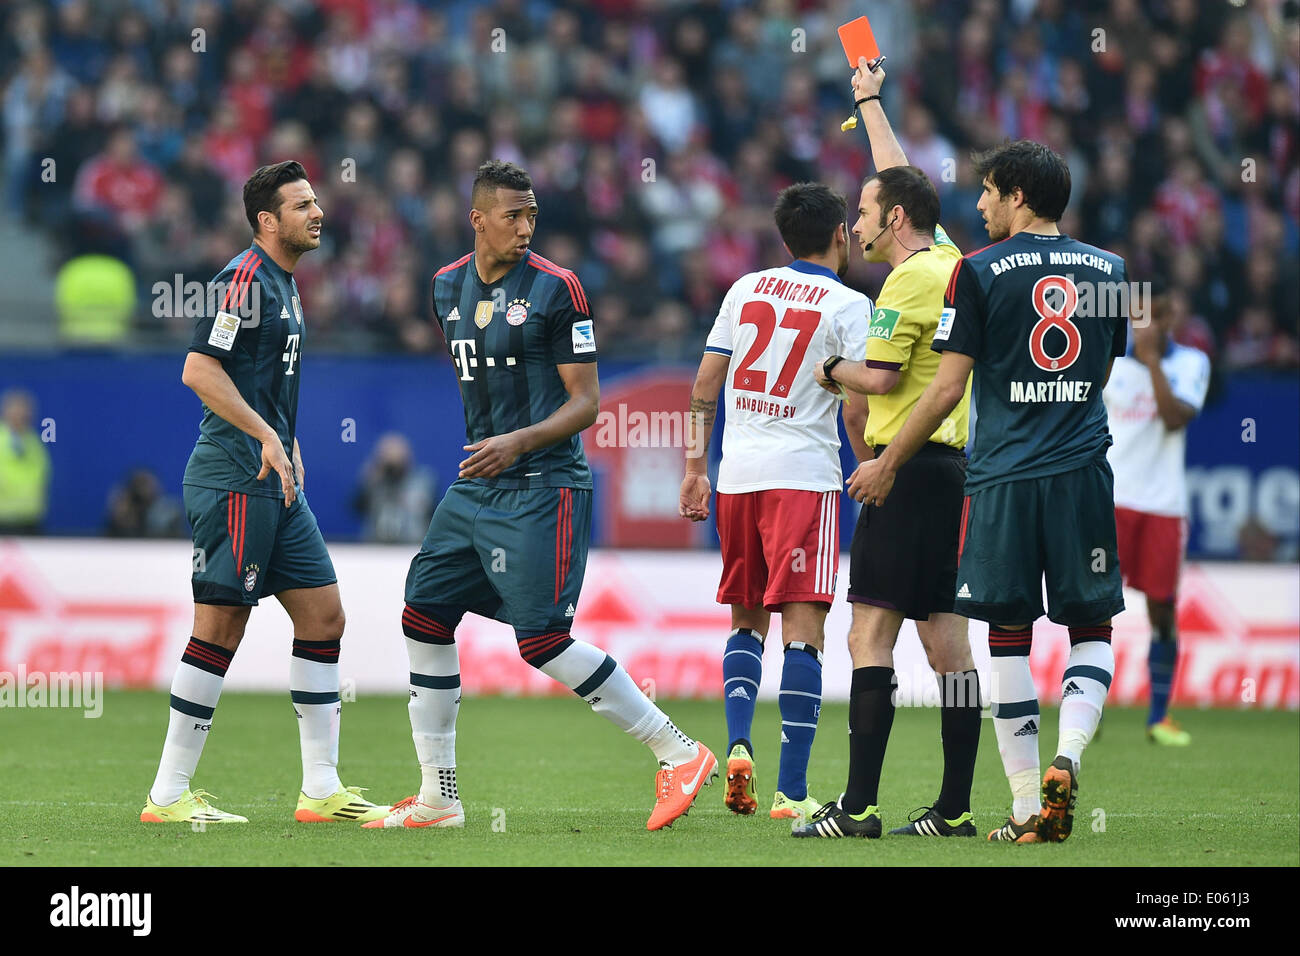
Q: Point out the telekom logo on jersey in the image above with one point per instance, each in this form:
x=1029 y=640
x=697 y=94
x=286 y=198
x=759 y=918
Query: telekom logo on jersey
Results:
x=465 y=359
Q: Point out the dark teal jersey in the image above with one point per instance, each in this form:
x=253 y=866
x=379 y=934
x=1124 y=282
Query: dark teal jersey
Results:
x=1042 y=316
x=253 y=325
x=505 y=341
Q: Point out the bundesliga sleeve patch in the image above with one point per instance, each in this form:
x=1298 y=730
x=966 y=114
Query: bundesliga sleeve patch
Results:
x=224 y=329
x=882 y=323
x=584 y=337
x=944 y=327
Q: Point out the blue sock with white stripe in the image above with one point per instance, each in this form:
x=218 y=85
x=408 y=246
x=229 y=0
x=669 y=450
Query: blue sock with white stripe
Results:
x=801 y=705
x=314 y=689
x=1161 y=660
x=742 y=672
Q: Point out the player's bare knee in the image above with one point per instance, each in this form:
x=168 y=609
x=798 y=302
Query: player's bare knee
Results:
x=803 y=622
x=868 y=649
x=755 y=618
x=332 y=627
x=228 y=640
x=872 y=635
x=874 y=626
x=812 y=635
x=221 y=625
x=946 y=645
x=860 y=637
x=948 y=658
x=325 y=626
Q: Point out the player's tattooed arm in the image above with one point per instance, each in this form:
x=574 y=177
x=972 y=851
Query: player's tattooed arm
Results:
x=703 y=412
x=693 y=499
x=299 y=470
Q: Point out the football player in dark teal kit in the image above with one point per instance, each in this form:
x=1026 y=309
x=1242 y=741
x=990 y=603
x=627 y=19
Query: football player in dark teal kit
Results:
x=1032 y=315
x=509 y=538
x=254 y=534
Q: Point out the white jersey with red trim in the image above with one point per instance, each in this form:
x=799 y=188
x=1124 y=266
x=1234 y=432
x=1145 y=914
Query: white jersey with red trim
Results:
x=781 y=427
x=1149 y=460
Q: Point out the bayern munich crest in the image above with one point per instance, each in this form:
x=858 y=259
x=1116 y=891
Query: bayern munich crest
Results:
x=250 y=577
x=517 y=313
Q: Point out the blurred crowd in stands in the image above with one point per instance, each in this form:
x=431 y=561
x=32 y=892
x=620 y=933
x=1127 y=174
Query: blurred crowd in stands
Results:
x=658 y=133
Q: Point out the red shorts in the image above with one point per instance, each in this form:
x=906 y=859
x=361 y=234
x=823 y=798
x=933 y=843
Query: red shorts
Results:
x=1150 y=551
x=779 y=546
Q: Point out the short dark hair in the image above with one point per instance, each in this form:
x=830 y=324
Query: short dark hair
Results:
x=1037 y=171
x=910 y=188
x=497 y=174
x=807 y=215
x=262 y=191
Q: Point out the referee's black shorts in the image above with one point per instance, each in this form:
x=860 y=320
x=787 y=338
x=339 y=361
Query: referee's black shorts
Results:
x=904 y=552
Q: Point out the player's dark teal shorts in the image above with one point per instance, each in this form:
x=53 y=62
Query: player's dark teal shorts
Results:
x=249 y=546
x=514 y=555
x=1059 y=526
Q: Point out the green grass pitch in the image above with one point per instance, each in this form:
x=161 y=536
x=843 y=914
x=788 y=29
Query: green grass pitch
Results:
x=546 y=782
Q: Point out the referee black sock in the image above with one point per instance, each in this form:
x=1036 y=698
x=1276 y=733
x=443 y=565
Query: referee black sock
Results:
x=960 y=720
x=871 y=716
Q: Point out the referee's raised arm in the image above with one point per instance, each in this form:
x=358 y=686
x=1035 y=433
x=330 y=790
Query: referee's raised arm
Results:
x=885 y=150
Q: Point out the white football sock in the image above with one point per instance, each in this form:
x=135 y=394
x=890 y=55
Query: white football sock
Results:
x=196 y=688
x=314 y=689
x=599 y=680
x=1016 y=721
x=1026 y=794
x=575 y=664
x=672 y=747
x=433 y=708
x=1084 y=686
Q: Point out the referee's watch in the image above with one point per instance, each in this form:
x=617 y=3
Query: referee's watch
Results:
x=829 y=365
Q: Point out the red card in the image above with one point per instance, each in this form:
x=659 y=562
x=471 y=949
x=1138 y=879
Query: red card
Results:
x=858 y=40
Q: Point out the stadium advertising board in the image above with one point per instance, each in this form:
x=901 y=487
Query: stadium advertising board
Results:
x=1242 y=468
x=122 y=610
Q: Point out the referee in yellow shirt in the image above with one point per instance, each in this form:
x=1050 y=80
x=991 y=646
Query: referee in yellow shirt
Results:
x=904 y=552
